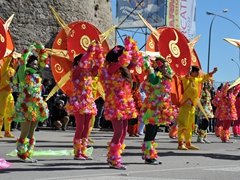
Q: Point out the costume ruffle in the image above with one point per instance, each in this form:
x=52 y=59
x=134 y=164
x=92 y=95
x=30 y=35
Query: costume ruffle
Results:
x=82 y=100
x=157 y=108
x=30 y=105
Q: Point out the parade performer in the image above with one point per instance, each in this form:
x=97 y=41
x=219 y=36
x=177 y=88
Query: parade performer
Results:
x=216 y=102
x=81 y=103
x=236 y=123
x=30 y=107
x=7 y=101
x=119 y=104
x=228 y=110
x=157 y=108
x=186 y=115
x=133 y=123
x=207 y=106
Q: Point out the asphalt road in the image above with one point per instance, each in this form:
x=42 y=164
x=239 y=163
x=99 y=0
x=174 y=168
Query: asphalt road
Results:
x=213 y=161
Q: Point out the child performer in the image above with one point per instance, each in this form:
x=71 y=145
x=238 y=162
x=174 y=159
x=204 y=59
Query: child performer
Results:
x=236 y=123
x=216 y=102
x=119 y=105
x=133 y=123
x=229 y=112
x=157 y=108
x=207 y=106
x=81 y=103
x=186 y=116
x=7 y=102
x=30 y=107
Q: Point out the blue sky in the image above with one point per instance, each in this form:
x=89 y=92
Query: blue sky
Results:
x=221 y=51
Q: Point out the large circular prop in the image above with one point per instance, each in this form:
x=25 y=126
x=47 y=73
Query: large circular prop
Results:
x=61 y=65
x=173 y=47
x=3 y=40
x=80 y=37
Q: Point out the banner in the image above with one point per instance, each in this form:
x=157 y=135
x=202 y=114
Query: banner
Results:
x=181 y=14
x=151 y=10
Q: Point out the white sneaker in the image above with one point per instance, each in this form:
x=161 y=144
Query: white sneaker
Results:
x=29 y=160
x=206 y=141
x=200 y=140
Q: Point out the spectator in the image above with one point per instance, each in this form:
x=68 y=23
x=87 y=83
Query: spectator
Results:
x=60 y=116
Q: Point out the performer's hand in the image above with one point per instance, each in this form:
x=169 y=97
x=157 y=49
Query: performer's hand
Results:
x=215 y=70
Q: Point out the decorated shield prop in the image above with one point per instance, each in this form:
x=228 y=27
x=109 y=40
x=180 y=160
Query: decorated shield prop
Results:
x=80 y=37
x=174 y=48
x=3 y=40
x=152 y=41
x=61 y=66
x=9 y=39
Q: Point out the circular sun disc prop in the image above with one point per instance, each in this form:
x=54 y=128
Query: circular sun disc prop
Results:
x=173 y=47
x=80 y=37
x=3 y=40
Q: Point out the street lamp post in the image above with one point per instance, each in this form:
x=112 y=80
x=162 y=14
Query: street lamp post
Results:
x=210 y=13
x=209 y=39
x=238 y=67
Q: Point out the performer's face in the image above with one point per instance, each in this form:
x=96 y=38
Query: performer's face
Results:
x=194 y=74
x=34 y=64
x=163 y=68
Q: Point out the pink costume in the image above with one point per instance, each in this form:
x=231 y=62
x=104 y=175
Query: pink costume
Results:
x=81 y=103
x=228 y=111
x=119 y=104
x=236 y=124
x=216 y=103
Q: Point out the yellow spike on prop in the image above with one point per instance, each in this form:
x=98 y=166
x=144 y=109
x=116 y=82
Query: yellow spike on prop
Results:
x=201 y=108
x=193 y=42
x=235 y=83
x=59 y=53
x=104 y=36
x=8 y=22
x=60 y=21
x=59 y=85
x=154 y=31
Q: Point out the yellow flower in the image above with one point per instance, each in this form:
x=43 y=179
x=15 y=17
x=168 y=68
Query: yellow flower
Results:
x=159 y=74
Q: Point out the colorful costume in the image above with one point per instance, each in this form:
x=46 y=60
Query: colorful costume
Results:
x=119 y=104
x=236 y=124
x=203 y=122
x=228 y=110
x=81 y=103
x=216 y=102
x=30 y=106
x=156 y=109
x=133 y=123
x=7 y=101
x=186 y=116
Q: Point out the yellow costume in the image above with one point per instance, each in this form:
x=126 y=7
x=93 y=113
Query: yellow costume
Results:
x=7 y=101
x=97 y=91
x=186 y=115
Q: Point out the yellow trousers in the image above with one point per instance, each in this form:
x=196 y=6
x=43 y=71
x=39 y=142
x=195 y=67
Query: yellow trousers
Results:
x=186 y=121
x=6 y=110
x=91 y=125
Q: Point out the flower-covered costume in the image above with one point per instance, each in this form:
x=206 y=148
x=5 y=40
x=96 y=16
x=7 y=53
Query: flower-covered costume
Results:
x=7 y=101
x=119 y=104
x=216 y=103
x=228 y=110
x=30 y=106
x=81 y=103
x=157 y=107
x=133 y=123
x=207 y=106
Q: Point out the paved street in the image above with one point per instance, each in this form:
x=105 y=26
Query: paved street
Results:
x=213 y=161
